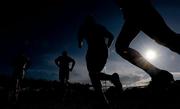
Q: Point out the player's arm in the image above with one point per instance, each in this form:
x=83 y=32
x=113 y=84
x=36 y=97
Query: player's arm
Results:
x=28 y=63
x=110 y=39
x=108 y=35
x=57 y=61
x=80 y=37
x=73 y=64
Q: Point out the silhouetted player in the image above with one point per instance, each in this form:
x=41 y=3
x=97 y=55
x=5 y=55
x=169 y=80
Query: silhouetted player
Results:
x=96 y=36
x=63 y=62
x=20 y=64
x=140 y=15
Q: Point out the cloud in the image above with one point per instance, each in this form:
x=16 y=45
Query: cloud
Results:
x=42 y=74
x=142 y=82
x=176 y=75
x=80 y=73
x=47 y=69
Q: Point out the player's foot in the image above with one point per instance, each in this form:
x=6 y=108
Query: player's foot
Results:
x=116 y=81
x=162 y=79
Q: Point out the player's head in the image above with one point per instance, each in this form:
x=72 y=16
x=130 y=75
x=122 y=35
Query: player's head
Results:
x=120 y=3
x=89 y=19
x=64 y=53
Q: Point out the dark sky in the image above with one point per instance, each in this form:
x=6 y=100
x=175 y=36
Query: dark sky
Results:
x=46 y=28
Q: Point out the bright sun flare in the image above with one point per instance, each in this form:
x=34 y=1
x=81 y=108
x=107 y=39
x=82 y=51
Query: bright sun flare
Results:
x=150 y=55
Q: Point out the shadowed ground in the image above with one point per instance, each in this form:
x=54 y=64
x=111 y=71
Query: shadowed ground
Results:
x=40 y=94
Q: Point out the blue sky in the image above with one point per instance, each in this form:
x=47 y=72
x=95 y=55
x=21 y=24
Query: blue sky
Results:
x=47 y=31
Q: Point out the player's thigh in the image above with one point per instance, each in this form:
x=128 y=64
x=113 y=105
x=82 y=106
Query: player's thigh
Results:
x=127 y=34
x=96 y=61
x=159 y=31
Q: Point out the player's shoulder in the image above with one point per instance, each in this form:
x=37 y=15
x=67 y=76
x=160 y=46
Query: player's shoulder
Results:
x=59 y=57
x=70 y=58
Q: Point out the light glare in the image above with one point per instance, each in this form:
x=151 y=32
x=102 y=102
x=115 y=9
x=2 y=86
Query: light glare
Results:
x=150 y=55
